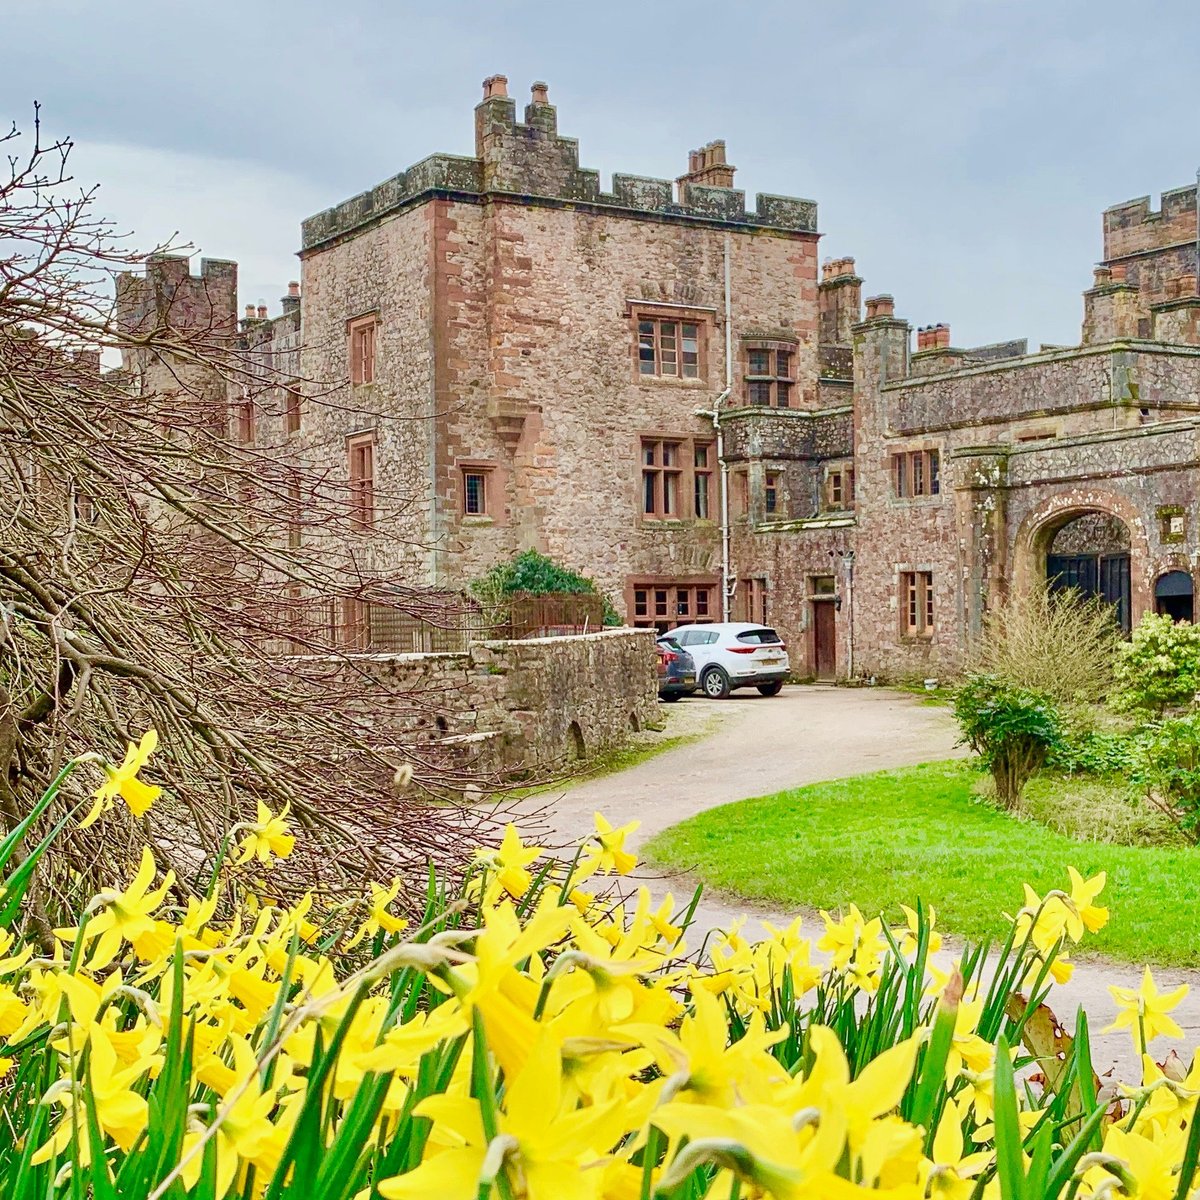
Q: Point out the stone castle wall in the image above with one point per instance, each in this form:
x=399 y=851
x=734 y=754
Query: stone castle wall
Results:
x=535 y=705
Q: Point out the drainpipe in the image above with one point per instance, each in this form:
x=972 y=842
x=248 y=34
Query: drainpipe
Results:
x=714 y=415
x=850 y=615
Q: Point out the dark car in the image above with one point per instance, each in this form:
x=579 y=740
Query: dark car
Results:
x=676 y=670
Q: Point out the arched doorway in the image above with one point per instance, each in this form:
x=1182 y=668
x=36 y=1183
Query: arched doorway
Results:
x=1089 y=552
x=1173 y=596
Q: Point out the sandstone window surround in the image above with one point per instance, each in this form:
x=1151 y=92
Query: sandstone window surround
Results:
x=752 y=600
x=678 y=476
x=772 y=494
x=770 y=372
x=916 y=474
x=244 y=419
x=839 y=488
x=361 y=340
x=360 y=452
x=480 y=488
x=292 y=411
x=663 y=603
x=916 y=604
x=354 y=631
x=670 y=342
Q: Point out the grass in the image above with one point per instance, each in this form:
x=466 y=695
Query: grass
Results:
x=884 y=839
x=1090 y=809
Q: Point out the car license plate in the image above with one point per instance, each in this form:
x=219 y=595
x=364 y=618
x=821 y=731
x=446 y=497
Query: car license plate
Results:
x=772 y=661
x=687 y=679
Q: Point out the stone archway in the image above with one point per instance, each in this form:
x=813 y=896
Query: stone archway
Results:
x=1091 y=540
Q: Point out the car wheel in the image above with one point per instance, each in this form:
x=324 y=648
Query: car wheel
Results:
x=715 y=683
x=770 y=689
x=669 y=697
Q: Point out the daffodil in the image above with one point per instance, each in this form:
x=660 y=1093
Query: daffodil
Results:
x=379 y=917
x=266 y=838
x=124 y=916
x=123 y=781
x=510 y=862
x=1143 y=1011
x=607 y=852
x=1092 y=916
x=548 y=1150
x=120 y=1112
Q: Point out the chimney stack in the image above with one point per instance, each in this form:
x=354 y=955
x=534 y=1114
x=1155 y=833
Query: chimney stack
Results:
x=707 y=167
x=249 y=312
x=540 y=93
x=262 y=312
x=879 y=307
x=495 y=85
x=294 y=289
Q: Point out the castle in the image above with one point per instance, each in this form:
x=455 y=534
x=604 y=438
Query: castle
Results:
x=664 y=389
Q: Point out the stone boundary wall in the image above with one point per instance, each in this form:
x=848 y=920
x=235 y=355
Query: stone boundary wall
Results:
x=535 y=705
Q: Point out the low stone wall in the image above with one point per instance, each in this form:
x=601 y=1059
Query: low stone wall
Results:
x=536 y=704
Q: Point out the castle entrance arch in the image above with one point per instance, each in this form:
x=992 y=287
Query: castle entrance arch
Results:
x=1089 y=553
x=1092 y=540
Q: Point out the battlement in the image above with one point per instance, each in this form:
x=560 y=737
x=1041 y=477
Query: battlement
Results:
x=168 y=294
x=530 y=159
x=1135 y=228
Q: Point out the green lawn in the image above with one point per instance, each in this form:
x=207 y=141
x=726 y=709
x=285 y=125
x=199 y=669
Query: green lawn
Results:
x=884 y=839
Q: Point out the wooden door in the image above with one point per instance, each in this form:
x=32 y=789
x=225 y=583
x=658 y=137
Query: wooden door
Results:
x=824 y=640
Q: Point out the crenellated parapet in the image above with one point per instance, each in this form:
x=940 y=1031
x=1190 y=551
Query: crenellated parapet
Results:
x=529 y=159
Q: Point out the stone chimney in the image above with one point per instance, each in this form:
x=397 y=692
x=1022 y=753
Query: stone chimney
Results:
x=707 y=167
x=839 y=300
x=539 y=112
x=291 y=302
x=880 y=308
x=882 y=352
x=1112 y=308
x=262 y=312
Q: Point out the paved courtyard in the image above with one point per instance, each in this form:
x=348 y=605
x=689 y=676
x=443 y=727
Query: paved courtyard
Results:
x=756 y=746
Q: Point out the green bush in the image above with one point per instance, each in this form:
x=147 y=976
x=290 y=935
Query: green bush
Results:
x=1094 y=752
x=1167 y=771
x=537 y=575
x=1012 y=729
x=1158 y=669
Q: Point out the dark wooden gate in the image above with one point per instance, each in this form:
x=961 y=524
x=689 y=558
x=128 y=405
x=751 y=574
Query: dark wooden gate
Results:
x=1103 y=575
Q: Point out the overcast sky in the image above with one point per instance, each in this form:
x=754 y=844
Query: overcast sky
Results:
x=961 y=150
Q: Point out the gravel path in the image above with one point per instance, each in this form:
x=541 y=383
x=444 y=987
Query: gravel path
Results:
x=754 y=746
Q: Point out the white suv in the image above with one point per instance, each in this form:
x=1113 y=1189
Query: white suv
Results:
x=735 y=655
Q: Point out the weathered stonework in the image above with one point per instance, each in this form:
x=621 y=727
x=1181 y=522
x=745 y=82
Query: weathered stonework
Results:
x=533 y=706
x=508 y=290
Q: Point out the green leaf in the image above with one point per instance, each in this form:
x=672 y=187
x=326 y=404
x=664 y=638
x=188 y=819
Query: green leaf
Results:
x=932 y=1079
x=1009 y=1170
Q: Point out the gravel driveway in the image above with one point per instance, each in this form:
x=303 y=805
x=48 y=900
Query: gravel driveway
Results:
x=757 y=746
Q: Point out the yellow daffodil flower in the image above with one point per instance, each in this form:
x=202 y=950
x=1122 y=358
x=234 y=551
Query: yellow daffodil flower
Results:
x=266 y=838
x=125 y=916
x=509 y=864
x=607 y=852
x=1143 y=1011
x=123 y=781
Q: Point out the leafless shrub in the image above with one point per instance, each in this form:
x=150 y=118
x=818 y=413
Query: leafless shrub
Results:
x=154 y=568
x=1057 y=643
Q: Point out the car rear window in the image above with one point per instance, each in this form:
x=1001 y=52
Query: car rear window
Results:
x=761 y=637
